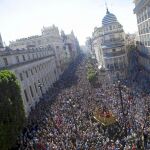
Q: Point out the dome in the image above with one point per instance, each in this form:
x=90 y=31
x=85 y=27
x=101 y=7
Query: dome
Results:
x=109 y=18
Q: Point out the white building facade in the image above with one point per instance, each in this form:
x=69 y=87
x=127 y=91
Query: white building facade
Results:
x=50 y=36
x=96 y=45
x=36 y=70
x=71 y=46
x=89 y=47
x=142 y=11
x=38 y=62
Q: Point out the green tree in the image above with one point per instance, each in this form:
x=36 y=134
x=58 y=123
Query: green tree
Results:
x=12 y=115
x=91 y=74
x=91 y=77
x=131 y=47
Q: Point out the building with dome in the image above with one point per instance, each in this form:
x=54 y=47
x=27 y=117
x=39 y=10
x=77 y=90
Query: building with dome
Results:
x=108 y=42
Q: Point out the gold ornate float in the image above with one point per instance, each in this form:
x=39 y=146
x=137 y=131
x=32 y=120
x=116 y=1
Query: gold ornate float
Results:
x=105 y=117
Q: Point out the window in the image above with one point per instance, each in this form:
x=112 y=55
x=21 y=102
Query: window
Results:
x=39 y=42
x=47 y=39
x=29 y=56
x=110 y=27
x=33 y=56
x=108 y=66
x=111 y=37
x=23 y=58
x=21 y=77
x=119 y=26
x=36 y=55
x=38 y=67
x=41 y=67
x=44 y=81
x=5 y=61
x=31 y=91
x=55 y=72
x=17 y=58
x=26 y=96
x=57 y=47
x=35 y=69
x=31 y=71
x=35 y=87
x=27 y=74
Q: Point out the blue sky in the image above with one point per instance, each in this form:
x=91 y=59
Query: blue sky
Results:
x=23 y=18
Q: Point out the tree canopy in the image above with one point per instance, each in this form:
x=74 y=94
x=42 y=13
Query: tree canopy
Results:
x=12 y=115
x=91 y=74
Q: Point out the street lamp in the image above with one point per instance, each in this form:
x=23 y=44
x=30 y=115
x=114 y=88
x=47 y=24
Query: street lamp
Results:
x=40 y=86
x=122 y=106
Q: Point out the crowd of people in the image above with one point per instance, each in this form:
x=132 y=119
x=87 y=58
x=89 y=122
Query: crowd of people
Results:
x=63 y=120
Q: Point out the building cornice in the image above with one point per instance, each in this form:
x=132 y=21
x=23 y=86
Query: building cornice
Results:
x=13 y=66
x=25 y=51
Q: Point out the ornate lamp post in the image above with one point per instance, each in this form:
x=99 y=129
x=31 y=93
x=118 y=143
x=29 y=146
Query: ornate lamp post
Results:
x=40 y=86
x=122 y=106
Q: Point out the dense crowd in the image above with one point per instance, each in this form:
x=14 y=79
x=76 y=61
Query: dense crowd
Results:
x=63 y=120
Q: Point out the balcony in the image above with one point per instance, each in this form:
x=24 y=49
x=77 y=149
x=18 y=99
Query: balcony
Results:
x=113 y=41
x=9 y=51
x=119 y=30
x=116 y=67
x=114 y=54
